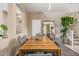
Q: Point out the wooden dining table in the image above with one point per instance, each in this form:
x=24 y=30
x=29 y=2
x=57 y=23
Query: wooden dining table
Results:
x=41 y=44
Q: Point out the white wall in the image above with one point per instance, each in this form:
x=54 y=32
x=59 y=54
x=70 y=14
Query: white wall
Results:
x=44 y=16
x=3 y=6
x=24 y=26
x=11 y=21
x=1 y=21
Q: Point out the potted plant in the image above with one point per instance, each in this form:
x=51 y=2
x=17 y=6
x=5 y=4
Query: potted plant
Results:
x=4 y=30
x=66 y=21
x=0 y=33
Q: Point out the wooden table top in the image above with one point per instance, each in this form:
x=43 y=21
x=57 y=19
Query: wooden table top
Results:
x=40 y=43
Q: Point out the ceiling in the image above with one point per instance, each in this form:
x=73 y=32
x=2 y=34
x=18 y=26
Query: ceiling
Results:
x=55 y=7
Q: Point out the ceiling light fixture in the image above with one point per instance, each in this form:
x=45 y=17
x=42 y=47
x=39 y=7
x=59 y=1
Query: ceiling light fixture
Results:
x=49 y=7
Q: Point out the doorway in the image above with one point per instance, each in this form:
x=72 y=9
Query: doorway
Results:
x=48 y=29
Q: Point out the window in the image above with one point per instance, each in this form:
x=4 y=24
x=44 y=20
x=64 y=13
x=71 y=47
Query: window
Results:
x=36 y=27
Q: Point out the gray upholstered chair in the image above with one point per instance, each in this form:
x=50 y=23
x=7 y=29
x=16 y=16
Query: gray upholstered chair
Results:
x=39 y=54
x=22 y=39
x=58 y=41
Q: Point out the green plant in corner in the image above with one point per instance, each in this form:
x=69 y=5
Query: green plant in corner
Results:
x=4 y=28
x=65 y=23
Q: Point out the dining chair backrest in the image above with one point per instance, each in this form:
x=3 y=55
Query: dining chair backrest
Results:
x=22 y=38
x=38 y=35
x=18 y=41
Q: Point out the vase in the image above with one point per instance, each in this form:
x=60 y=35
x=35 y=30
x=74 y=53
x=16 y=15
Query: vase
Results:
x=0 y=37
x=4 y=35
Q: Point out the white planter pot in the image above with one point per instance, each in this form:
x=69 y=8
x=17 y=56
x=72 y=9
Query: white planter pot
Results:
x=0 y=37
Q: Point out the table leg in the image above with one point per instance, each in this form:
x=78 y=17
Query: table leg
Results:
x=59 y=52
x=20 y=53
x=55 y=52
